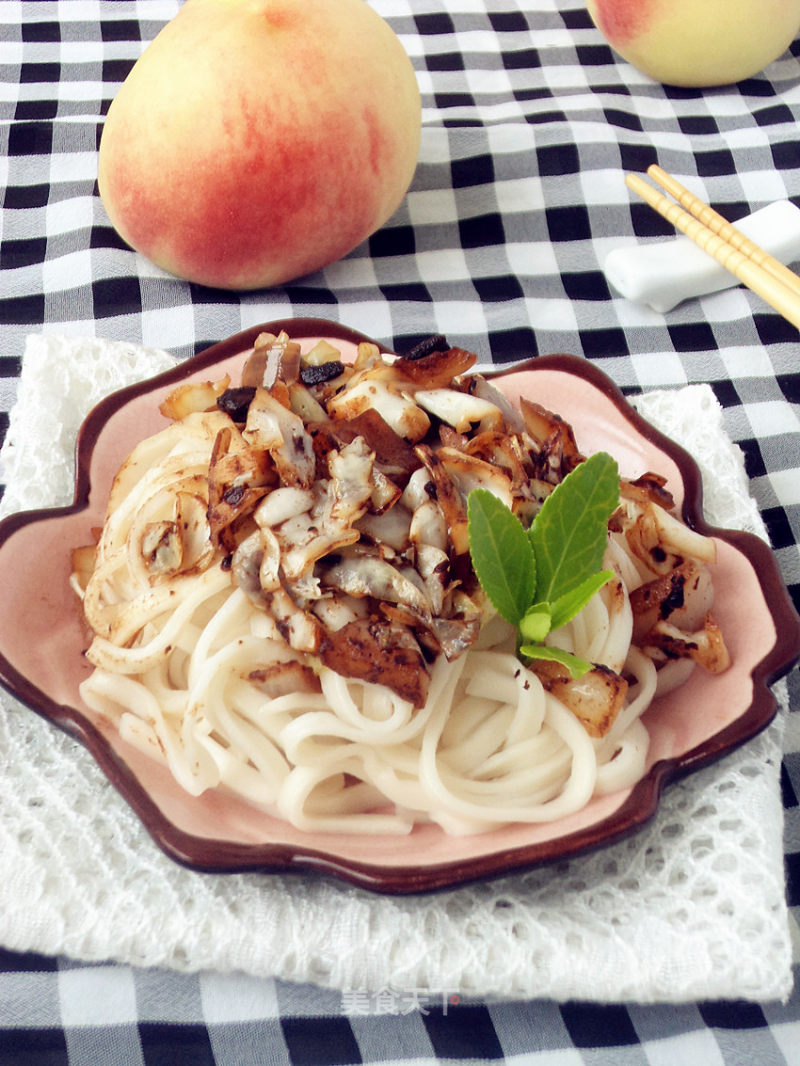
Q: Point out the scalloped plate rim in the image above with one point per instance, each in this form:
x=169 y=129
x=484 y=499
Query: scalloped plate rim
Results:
x=217 y=855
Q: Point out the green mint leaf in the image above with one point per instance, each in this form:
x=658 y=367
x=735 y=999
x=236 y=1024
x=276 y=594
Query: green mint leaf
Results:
x=570 y=532
x=576 y=666
x=536 y=623
x=567 y=606
x=502 y=555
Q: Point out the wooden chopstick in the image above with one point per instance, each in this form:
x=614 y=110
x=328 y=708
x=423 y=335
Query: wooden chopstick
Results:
x=751 y=264
x=719 y=225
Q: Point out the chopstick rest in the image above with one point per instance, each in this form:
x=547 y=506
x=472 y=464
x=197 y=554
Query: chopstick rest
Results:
x=666 y=273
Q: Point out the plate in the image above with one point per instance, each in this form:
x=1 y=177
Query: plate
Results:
x=42 y=638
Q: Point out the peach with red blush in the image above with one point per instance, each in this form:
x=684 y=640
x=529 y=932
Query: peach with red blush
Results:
x=698 y=43
x=255 y=141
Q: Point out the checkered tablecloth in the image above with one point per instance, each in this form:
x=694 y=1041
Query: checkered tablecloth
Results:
x=529 y=125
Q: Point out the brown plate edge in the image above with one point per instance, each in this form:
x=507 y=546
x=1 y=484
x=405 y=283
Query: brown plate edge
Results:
x=220 y=856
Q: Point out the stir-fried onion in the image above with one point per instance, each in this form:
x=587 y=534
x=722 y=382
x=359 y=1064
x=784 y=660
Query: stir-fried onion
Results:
x=283 y=579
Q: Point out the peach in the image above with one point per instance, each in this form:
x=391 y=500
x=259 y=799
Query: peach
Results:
x=698 y=43
x=255 y=141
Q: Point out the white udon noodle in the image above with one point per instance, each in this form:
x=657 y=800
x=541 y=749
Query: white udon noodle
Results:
x=490 y=746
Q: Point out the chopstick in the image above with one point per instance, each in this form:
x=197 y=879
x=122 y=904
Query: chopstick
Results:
x=751 y=264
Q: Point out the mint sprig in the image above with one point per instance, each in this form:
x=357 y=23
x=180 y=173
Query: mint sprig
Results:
x=504 y=559
x=539 y=579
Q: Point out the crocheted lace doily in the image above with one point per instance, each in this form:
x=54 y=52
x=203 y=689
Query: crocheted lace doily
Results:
x=691 y=907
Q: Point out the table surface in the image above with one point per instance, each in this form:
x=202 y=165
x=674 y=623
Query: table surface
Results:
x=529 y=123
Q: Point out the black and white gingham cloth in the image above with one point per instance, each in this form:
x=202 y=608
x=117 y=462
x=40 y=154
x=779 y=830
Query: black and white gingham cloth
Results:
x=529 y=125
x=104 y=1015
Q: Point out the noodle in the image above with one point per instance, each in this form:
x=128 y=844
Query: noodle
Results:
x=181 y=653
x=489 y=746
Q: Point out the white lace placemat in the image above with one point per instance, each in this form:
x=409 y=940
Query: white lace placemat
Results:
x=692 y=907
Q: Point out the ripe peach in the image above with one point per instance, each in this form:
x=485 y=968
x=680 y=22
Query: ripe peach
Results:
x=698 y=42
x=255 y=141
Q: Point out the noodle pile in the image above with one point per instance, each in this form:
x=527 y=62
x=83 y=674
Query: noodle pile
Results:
x=210 y=675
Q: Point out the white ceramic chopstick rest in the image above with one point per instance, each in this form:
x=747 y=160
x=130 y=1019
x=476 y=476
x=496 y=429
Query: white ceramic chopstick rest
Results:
x=665 y=273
